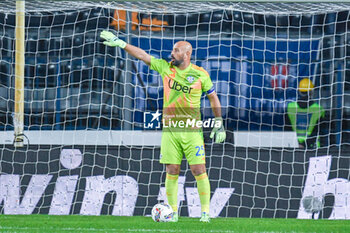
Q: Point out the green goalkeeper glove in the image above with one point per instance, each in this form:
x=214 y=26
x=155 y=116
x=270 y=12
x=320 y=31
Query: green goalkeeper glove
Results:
x=218 y=131
x=112 y=40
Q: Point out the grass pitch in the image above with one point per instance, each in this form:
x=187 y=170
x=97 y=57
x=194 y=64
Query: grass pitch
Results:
x=75 y=224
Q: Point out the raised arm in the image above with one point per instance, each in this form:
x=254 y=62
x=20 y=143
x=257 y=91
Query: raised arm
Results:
x=138 y=53
x=113 y=41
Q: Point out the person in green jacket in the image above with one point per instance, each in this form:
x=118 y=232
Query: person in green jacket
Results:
x=306 y=116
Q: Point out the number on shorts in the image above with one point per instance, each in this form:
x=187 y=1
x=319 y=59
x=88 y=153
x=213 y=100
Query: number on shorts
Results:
x=199 y=149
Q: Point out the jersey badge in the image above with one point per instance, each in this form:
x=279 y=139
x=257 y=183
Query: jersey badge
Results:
x=190 y=79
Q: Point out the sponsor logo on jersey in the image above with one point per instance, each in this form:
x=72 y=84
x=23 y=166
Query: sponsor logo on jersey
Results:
x=178 y=87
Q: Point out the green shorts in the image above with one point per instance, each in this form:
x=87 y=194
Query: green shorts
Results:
x=175 y=144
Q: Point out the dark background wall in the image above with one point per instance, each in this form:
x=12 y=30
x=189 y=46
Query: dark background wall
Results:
x=266 y=182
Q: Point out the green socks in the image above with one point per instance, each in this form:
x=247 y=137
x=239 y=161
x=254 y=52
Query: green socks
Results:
x=171 y=187
x=203 y=187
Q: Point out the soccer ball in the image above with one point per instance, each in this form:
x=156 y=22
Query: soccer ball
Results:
x=162 y=213
x=312 y=204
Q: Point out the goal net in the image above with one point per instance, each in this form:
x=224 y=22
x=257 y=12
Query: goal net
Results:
x=91 y=145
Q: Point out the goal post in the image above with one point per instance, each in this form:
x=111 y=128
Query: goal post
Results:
x=89 y=111
x=18 y=117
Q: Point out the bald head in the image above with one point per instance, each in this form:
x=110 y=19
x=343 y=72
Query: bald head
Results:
x=181 y=54
x=184 y=46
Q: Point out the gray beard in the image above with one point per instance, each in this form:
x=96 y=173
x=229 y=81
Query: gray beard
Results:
x=177 y=62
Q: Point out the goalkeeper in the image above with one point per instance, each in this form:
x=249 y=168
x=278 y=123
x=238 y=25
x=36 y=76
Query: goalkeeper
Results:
x=183 y=84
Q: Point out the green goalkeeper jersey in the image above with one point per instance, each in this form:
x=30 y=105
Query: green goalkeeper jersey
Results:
x=182 y=89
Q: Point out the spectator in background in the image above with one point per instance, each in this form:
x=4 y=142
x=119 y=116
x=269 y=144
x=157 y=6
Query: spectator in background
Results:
x=306 y=117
